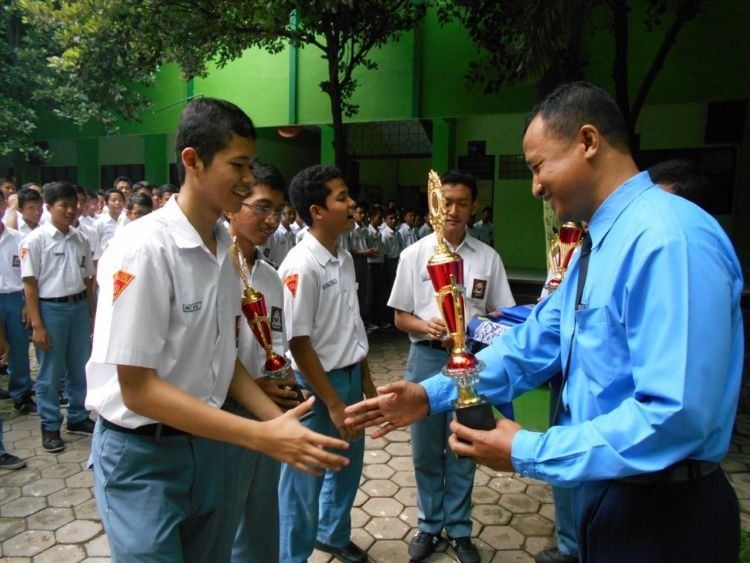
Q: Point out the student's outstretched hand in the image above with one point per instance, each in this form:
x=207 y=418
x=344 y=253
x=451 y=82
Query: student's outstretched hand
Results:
x=286 y=440
x=398 y=404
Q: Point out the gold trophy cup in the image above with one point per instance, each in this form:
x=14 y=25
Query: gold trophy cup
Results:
x=446 y=270
x=254 y=309
x=561 y=251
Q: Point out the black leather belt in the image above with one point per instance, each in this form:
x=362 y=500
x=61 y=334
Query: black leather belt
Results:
x=434 y=344
x=67 y=299
x=151 y=430
x=680 y=472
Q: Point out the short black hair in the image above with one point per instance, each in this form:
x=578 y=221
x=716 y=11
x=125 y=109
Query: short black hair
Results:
x=309 y=187
x=388 y=212
x=460 y=177
x=122 y=179
x=268 y=175
x=207 y=125
x=8 y=180
x=55 y=191
x=80 y=189
x=26 y=195
x=28 y=185
x=168 y=188
x=140 y=199
x=362 y=204
x=111 y=191
x=684 y=178
x=571 y=106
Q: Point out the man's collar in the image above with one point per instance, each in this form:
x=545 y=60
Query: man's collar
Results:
x=321 y=254
x=612 y=207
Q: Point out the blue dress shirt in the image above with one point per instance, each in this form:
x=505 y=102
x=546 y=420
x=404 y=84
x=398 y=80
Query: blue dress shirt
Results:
x=658 y=346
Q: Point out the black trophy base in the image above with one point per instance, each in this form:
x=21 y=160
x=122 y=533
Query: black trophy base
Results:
x=300 y=398
x=478 y=416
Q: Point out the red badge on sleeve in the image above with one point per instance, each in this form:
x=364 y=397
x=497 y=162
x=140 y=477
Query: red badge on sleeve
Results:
x=291 y=283
x=24 y=252
x=122 y=280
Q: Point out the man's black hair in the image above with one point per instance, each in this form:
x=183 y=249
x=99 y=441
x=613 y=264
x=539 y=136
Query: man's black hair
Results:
x=363 y=205
x=575 y=104
x=268 y=175
x=80 y=189
x=388 y=212
x=140 y=199
x=111 y=191
x=8 y=180
x=309 y=187
x=26 y=195
x=684 y=179
x=28 y=185
x=207 y=125
x=55 y=191
x=122 y=179
x=168 y=188
x=459 y=177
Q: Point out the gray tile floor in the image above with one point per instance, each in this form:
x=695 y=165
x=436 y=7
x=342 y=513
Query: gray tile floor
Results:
x=48 y=513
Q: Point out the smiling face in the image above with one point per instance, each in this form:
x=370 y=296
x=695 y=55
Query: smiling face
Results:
x=256 y=220
x=459 y=209
x=560 y=175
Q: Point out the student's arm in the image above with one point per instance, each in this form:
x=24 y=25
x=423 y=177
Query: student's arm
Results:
x=11 y=215
x=368 y=387
x=283 y=438
x=39 y=335
x=248 y=393
x=433 y=329
x=310 y=366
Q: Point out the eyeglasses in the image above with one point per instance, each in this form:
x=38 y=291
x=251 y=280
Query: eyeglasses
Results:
x=265 y=211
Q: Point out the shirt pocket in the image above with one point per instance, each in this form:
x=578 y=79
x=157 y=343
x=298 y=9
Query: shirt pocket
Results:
x=597 y=350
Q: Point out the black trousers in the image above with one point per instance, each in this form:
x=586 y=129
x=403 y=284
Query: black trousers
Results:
x=695 y=521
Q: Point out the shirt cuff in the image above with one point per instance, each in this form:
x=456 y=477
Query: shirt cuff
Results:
x=522 y=453
x=441 y=392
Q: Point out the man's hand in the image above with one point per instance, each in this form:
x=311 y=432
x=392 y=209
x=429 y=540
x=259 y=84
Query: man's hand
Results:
x=371 y=252
x=288 y=441
x=277 y=391
x=399 y=404
x=338 y=416
x=485 y=447
x=435 y=329
x=25 y=318
x=4 y=350
x=41 y=339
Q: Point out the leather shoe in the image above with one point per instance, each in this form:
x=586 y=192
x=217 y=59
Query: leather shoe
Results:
x=349 y=554
x=554 y=555
x=422 y=545
x=466 y=551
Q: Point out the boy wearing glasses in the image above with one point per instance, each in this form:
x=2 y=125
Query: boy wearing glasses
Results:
x=283 y=240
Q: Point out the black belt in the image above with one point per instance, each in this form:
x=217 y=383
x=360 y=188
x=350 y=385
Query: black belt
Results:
x=680 y=472
x=434 y=344
x=151 y=430
x=67 y=299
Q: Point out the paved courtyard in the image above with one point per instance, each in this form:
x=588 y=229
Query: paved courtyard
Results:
x=48 y=511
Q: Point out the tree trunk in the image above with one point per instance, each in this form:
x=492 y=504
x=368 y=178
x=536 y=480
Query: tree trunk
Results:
x=337 y=114
x=620 y=13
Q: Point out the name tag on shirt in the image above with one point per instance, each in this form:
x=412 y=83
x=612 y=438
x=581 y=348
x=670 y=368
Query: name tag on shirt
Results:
x=330 y=283
x=192 y=307
x=425 y=277
x=16 y=262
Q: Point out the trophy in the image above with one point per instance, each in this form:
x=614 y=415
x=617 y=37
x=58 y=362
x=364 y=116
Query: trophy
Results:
x=276 y=366
x=446 y=270
x=561 y=251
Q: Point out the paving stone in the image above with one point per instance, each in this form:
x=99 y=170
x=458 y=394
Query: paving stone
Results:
x=535 y=544
x=98 y=547
x=491 y=515
x=407 y=496
x=548 y=511
x=542 y=493
x=59 y=553
x=29 y=543
x=84 y=443
x=87 y=510
x=10 y=527
x=745 y=521
x=359 y=517
x=360 y=498
x=19 y=478
x=29 y=443
x=404 y=479
x=61 y=470
x=741 y=484
x=319 y=557
x=23 y=506
x=69 y=497
x=379 y=488
x=732 y=465
x=512 y=556
x=530 y=480
x=532 y=525
x=78 y=531
x=507 y=485
x=486 y=552
x=361 y=538
x=74 y=455
x=377 y=471
x=399 y=448
x=383 y=507
x=9 y=493
x=39 y=462
x=399 y=436
x=97 y=560
x=501 y=537
x=377 y=456
x=81 y=479
x=481 y=479
x=519 y=503
x=11 y=436
x=28 y=424
x=402 y=463
x=388 y=550
x=484 y=495
x=50 y=518
x=43 y=487
x=387 y=528
x=410 y=515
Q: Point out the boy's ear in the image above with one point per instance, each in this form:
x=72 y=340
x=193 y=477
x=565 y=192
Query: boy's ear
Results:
x=190 y=159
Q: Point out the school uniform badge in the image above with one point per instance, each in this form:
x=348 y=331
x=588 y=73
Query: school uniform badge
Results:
x=291 y=283
x=478 y=289
x=122 y=280
x=276 y=319
x=24 y=252
x=16 y=261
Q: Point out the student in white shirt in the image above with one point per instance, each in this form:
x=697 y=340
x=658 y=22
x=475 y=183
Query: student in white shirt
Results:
x=484 y=230
x=360 y=249
x=282 y=240
x=57 y=269
x=106 y=224
x=373 y=313
x=30 y=204
x=393 y=244
x=444 y=482
x=164 y=359
x=406 y=230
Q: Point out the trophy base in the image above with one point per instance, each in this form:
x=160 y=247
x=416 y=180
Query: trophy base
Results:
x=298 y=391
x=478 y=416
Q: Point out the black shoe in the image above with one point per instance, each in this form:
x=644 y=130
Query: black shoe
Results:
x=26 y=405
x=8 y=461
x=349 y=554
x=466 y=551
x=63 y=400
x=51 y=441
x=422 y=545
x=84 y=427
x=554 y=555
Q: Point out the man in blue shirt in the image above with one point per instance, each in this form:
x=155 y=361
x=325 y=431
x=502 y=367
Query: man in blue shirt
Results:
x=650 y=346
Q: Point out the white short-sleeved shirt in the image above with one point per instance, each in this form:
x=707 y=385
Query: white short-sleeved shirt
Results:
x=374 y=241
x=320 y=301
x=105 y=227
x=484 y=231
x=278 y=246
x=90 y=234
x=10 y=263
x=484 y=279
x=408 y=234
x=423 y=231
x=86 y=220
x=300 y=234
x=358 y=238
x=23 y=226
x=264 y=278
x=165 y=303
x=60 y=262
x=392 y=242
